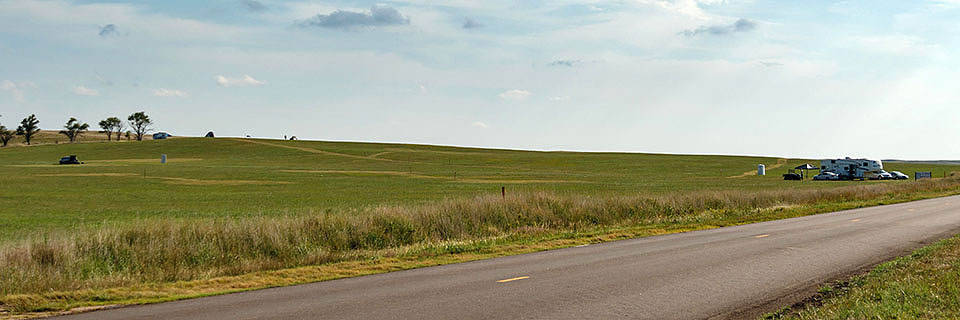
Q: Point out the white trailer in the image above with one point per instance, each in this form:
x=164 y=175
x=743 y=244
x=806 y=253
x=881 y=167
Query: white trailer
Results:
x=850 y=169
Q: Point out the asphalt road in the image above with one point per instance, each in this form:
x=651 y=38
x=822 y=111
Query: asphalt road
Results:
x=734 y=272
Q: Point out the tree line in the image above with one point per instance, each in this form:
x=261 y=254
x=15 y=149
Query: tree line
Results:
x=138 y=123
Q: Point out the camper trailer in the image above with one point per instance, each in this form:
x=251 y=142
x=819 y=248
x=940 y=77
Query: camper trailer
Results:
x=850 y=169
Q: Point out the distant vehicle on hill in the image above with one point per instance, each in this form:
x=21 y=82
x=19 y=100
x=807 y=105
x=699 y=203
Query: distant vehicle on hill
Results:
x=161 y=135
x=792 y=176
x=826 y=175
x=899 y=175
x=883 y=175
x=71 y=159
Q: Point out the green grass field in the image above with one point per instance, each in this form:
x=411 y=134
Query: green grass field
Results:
x=215 y=178
x=239 y=214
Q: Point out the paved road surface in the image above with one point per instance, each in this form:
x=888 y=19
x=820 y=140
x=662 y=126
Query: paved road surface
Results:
x=729 y=272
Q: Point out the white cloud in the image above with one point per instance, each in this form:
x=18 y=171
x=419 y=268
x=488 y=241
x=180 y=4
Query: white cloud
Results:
x=559 y=99
x=84 y=91
x=246 y=80
x=478 y=124
x=15 y=89
x=689 y=8
x=162 y=92
x=515 y=94
x=902 y=45
x=380 y=15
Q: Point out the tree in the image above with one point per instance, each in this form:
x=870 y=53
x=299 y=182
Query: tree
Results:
x=120 y=128
x=28 y=127
x=5 y=135
x=111 y=124
x=128 y=134
x=140 y=123
x=75 y=129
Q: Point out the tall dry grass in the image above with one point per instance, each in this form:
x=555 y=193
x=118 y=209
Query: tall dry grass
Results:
x=160 y=251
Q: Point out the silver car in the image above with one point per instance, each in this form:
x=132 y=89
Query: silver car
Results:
x=827 y=175
x=899 y=175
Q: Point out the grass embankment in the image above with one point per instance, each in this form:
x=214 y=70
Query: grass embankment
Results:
x=154 y=261
x=923 y=285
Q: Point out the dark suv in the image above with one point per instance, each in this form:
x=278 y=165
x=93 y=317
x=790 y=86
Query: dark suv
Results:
x=71 y=159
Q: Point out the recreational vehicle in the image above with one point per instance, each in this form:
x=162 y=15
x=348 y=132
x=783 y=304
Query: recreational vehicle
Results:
x=849 y=169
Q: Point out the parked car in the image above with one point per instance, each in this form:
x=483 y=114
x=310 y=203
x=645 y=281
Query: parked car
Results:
x=71 y=159
x=792 y=176
x=827 y=175
x=899 y=175
x=883 y=175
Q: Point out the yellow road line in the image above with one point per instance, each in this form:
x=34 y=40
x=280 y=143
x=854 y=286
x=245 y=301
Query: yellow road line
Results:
x=762 y=236
x=513 y=279
x=854 y=220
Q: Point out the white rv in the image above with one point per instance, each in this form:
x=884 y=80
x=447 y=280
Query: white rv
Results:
x=853 y=168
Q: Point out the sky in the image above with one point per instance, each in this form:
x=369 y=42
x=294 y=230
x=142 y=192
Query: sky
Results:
x=815 y=79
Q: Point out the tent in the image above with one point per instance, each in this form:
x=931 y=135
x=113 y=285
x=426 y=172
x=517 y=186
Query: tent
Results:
x=804 y=167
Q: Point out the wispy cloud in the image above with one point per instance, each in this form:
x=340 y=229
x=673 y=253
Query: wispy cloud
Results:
x=253 y=5
x=379 y=15
x=108 y=30
x=471 y=24
x=565 y=63
x=162 y=92
x=245 y=80
x=478 y=124
x=515 y=94
x=741 y=25
x=15 y=89
x=689 y=8
x=102 y=80
x=84 y=91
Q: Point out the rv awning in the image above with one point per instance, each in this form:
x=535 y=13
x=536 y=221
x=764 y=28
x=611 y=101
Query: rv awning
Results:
x=806 y=166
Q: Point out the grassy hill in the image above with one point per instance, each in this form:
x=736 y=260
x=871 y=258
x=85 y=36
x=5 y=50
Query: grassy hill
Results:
x=224 y=177
x=230 y=214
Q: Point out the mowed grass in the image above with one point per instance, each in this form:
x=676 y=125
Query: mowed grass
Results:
x=223 y=177
x=923 y=285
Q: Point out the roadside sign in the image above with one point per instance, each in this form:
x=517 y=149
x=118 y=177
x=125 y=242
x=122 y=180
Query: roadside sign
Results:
x=922 y=175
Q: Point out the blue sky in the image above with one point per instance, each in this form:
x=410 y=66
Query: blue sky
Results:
x=781 y=78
